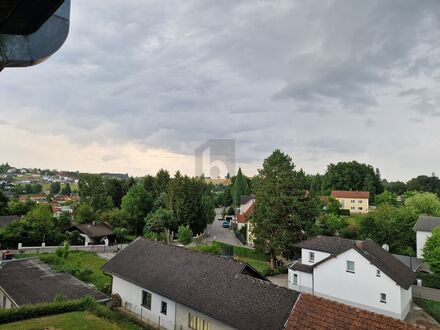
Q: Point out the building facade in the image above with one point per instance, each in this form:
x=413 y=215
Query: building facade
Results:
x=357 y=273
x=354 y=201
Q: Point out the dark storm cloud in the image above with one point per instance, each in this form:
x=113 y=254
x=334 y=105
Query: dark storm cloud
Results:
x=284 y=74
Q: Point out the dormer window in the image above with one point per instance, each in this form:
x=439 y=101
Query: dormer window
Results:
x=311 y=256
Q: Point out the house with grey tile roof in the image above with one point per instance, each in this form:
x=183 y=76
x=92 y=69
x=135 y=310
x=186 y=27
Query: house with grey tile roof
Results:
x=423 y=228
x=178 y=287
x=357 y=273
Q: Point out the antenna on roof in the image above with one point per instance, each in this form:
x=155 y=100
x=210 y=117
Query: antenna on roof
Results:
x=386 y=247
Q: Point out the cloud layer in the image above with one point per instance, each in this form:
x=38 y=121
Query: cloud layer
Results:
x=330 y=81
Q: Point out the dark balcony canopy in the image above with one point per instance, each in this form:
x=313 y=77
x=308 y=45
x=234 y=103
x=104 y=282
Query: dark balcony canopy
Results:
x=23 y=17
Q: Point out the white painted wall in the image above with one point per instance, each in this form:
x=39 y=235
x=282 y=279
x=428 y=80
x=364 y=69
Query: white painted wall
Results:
x=182 y=319
x=305 y=281
x=318 y=256
x=360 y=289
x=132 y=294
x=421 y=237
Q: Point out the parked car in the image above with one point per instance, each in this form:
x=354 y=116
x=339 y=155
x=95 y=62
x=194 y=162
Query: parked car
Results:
x=226 y=224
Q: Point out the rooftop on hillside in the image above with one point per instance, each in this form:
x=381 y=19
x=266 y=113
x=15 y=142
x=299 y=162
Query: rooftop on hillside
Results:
x=350 y=194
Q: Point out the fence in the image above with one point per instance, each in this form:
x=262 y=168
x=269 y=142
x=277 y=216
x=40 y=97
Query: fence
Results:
x=89 y=248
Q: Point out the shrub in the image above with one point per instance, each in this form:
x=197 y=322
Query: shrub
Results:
x=63 y=251
x=184 y=234
x=116 y=300
x=31 y=311
x=59 y=298
x=428 y=280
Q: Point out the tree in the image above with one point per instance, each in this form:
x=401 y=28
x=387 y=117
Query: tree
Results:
x=92 y=190
x=40 y=221
x=137 y=203
x=386 y=198
x=115 y=217
x=17 y=208
x=396 y=187
x=239 y=188
x=331 y=224
x=160 y=220
x=333 y=206
x=84 y=213
x=352 y=176
x=424 y=203
x=431 y=251
x=162 y=180
x=55 y=188
x=37 y=188
x=66 y=190
x=279 y=217
x=424 y=183
x=184 y=234
x=391 y=225
x=191 y=201
x=3 y=204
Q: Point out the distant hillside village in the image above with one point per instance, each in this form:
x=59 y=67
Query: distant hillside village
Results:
x=280 y=250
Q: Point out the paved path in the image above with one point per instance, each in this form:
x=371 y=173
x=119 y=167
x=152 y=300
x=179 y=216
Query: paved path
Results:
x=280 y=280
x=426 y=293
x=216 y=232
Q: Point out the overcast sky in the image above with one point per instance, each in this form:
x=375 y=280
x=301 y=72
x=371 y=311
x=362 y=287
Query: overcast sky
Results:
x=139 y=85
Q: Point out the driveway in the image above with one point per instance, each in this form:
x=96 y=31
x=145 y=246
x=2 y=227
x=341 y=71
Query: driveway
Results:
x=215 y=232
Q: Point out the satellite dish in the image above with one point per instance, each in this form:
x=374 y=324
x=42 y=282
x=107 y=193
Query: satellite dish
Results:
x=386 y=247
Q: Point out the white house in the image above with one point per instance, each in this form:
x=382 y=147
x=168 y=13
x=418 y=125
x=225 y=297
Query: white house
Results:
x=357 y=273
x=179 y=288
x=423 y=228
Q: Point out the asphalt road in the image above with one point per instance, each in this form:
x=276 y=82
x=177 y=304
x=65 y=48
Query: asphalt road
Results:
x=216 y=232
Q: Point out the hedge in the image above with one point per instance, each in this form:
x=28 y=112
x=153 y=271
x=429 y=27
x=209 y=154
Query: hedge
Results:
x=26 y=312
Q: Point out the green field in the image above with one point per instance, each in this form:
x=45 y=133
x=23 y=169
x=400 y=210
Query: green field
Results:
x=72 y=320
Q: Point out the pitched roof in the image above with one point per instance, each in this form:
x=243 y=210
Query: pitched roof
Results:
x=373 y=252
x=312 y=312
x=243 y=218
x=427 y=223
x=215 y=286
x=7 y=219
x=302 y=267
x=31 y=281
x=245 y=198
x=95 y=230
x=350 y=194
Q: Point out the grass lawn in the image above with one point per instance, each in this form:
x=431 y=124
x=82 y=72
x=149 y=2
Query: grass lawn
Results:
x=72 y=320
x=430 y=307
x=261 y=266
x=83 y=259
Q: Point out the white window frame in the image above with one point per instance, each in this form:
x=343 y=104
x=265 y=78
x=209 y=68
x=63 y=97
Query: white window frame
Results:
x=383 y=298
x=311 y=257
x=347 y=268
x=295 y=279
x=378 y=273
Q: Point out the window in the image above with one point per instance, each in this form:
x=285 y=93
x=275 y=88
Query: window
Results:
x=353 y=208
x=378 y=273
x=197 y=323
x=353 y=201
x=360 y=208
x=383 y=298
x=295 y=278
x=360 y=201
x=163 y=308
x=146 y=299
x=350 y=266
x=311 y=256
